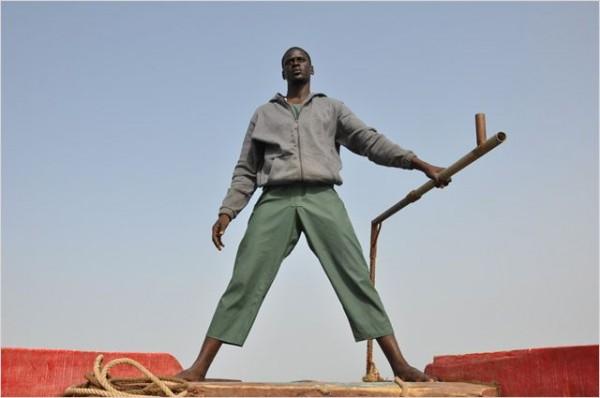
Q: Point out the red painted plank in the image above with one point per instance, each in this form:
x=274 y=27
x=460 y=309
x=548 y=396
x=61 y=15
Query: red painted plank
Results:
x=550 y=372
x=30 y=372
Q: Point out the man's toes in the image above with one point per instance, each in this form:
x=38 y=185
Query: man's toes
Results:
x=188 y=375
x=417 y=375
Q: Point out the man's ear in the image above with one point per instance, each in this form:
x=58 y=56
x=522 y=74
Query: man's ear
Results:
x=283 y=74
x=312 y=70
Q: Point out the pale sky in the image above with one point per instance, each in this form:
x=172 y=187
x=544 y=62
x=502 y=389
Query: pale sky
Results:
x=122 y=121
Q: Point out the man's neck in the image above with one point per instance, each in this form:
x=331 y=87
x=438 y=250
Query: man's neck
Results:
x=298 y=93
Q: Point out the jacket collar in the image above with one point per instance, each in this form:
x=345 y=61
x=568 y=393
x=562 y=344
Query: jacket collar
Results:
x=280 y=98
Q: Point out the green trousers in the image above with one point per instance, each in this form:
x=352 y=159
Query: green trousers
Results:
x=281 y=214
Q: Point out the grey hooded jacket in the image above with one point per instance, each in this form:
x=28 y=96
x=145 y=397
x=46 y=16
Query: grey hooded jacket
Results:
x=279 y=149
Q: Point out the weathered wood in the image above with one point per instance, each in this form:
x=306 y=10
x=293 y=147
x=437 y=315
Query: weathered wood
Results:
x=326 y=389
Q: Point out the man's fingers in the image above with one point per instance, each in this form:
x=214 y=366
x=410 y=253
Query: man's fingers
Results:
x=216 y=237
x=439 y=183
x=216 y=242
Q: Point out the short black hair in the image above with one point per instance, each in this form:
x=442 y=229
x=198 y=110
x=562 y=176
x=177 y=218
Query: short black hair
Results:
x=289 y=50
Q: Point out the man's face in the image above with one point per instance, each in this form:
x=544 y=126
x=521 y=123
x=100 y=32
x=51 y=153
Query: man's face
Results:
x=296 y=67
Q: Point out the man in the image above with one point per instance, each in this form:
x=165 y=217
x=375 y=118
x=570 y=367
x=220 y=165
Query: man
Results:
x=291 y=149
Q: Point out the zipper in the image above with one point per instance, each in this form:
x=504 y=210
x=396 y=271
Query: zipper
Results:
x=297 y=126
x=299 y=149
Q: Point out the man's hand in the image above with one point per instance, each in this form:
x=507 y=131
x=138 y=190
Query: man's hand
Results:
x=218 y=230
x=431 y=171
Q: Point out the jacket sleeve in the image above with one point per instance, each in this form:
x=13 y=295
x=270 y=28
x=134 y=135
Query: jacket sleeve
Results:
x=243 y=181
x=366 y=141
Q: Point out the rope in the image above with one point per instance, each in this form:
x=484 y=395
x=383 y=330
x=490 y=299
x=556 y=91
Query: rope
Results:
x=403 y=387
x=101 y=384
x=373 y=374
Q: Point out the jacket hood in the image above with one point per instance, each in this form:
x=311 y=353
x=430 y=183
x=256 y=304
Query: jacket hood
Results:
x=281 y=98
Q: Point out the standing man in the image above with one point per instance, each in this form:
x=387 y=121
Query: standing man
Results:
x=291 y=150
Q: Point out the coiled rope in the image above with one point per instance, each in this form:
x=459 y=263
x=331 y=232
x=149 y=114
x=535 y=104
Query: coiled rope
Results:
x=101 y=384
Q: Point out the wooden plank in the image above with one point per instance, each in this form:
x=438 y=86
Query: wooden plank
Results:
x=327 y=389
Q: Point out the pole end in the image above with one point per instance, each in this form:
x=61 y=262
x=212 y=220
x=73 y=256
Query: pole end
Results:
x=480 y=133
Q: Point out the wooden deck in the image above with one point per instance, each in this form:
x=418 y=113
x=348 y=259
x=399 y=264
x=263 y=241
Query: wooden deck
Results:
x=327 y=389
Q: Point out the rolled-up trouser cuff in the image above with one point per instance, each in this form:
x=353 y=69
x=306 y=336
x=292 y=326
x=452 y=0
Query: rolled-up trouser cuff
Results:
x=374 y=335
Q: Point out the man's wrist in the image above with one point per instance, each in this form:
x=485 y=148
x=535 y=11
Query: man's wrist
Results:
x=418 y=164
x=226 y=215
x=424 y=167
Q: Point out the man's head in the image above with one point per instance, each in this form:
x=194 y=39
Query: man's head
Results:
x=296 y=65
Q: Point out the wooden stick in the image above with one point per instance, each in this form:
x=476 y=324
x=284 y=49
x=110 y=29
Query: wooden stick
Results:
x=454 y=168
x=414 y=195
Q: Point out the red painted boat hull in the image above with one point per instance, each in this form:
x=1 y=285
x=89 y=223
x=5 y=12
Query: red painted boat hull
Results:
x=30 y=372
x=540 y=372
x=559 y=371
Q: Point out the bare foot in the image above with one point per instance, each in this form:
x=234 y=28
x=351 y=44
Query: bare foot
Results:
x=190 y=375
x=408 y=373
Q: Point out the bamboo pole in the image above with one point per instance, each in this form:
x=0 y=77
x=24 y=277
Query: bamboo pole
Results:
x=480 y=128
x=448 y=172
x=372 y=374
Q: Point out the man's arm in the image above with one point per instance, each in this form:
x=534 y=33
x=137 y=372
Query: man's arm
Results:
x=243 y=185
x=366 y=141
